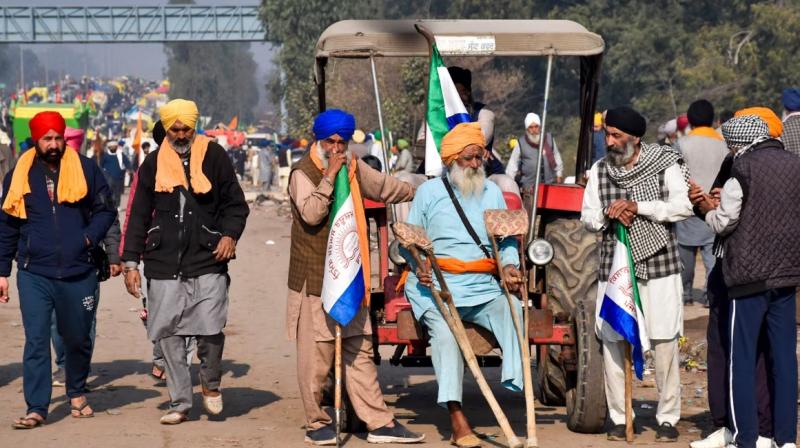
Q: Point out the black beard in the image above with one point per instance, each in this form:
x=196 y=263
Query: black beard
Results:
x=51 y=156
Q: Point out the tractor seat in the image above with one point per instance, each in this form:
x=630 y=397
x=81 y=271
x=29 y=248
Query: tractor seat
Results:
x=481 y=339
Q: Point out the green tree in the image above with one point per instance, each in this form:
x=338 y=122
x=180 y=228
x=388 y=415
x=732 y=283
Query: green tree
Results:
x=219 y=77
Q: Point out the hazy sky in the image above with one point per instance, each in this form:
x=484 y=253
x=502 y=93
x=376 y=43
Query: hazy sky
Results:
x=144 y=60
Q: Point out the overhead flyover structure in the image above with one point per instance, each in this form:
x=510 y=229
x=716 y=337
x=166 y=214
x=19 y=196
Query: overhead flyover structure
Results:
x=137 y=24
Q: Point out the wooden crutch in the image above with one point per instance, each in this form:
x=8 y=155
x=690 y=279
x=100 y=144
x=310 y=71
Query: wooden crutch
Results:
x=514 y=223
x=415 y=240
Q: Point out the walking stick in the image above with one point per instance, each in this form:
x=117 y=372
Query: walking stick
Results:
x=514 y=223
x=628 y=394
x=414 y=239
x=337 y=389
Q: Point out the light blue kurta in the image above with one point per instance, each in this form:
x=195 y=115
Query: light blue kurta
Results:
x=478 y=296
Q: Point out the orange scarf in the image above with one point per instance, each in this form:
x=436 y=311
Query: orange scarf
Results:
x=456 y=266
x=72 y=185
x=361 y=219
x=170 y=174
x=705 y=131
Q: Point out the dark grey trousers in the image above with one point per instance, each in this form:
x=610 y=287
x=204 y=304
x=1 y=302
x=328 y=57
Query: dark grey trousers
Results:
x=179 y=380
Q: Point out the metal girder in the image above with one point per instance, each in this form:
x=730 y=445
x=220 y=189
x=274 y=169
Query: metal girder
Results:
x=22 y=24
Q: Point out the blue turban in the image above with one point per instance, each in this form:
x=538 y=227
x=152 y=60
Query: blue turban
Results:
x=791 y=99
x=334 y=121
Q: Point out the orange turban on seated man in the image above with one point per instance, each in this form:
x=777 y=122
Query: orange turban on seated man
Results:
x=461 y=136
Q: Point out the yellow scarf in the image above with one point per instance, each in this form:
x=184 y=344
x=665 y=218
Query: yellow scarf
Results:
x=170 y=174
x=361 y=219
x=71 y=182
x=705 y=131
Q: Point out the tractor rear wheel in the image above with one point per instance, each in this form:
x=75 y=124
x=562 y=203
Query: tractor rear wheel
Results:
x=571 y=280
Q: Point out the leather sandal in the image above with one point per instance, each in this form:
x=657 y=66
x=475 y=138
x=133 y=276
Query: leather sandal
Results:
x=79 y=409
x=468 y=441
x=27 y=422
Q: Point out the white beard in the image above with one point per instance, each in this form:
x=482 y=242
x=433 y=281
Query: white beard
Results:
x=469 y=181
x=620 y=158
x=324 y=155
x=533 y=138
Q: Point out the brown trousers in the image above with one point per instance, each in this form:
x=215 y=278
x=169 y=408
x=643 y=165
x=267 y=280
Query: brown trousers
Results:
x=315 y=358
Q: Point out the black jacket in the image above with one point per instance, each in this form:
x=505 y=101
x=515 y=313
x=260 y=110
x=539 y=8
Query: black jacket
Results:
x=172 y=243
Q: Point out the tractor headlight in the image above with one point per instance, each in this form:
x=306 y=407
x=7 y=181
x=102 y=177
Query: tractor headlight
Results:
x=540 y=252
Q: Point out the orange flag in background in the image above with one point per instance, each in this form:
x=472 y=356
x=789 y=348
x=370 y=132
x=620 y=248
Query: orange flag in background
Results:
x=234 y=123
x=137 y=138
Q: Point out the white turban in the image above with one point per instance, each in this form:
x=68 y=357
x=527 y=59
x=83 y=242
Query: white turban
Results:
x=532 y=118
x=671 y=126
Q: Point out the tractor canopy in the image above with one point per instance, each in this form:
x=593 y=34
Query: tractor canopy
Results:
x=520 y=38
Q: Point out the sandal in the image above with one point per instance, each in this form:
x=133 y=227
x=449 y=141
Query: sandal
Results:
x=79 y=409
x=468 y=441
x=28 y=422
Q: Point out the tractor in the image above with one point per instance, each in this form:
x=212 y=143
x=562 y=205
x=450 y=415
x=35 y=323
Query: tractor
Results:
x=562 y=254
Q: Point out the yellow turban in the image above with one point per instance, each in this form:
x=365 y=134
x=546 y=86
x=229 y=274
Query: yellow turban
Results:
x=461 y=136
x=183 y=110
x=598 y=119
x=773 y=122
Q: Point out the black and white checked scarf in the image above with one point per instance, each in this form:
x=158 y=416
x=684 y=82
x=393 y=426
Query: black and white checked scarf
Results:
x=647 y=237
x=745 y=133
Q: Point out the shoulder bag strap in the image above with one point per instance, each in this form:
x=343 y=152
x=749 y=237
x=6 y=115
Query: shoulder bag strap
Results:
x=463 y=217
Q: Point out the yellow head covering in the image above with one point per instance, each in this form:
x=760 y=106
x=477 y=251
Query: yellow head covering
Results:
x=773 y=122
x=461 y=136
x=512 y=143
x=598 y=119
x=183 y=110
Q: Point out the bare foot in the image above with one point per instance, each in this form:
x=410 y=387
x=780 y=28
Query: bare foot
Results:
x=30 y=421
x=458 y=420
x=79 y=408
x=210 y=393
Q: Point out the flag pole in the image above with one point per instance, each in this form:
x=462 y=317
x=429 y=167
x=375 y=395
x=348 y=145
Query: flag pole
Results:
x=431 y=42
x=628 y=393
x=337 y=400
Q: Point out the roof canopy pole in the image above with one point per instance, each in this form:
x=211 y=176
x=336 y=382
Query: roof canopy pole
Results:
x=380 y=119
x=320 y=78
x=542 y=139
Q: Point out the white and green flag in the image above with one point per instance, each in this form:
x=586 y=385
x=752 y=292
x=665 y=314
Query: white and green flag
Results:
x=621 y=307
x=445 y=111
x=343 y=279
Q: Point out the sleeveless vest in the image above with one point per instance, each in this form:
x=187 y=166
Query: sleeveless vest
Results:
x=763 y=252
x=665 y=262
x=309 y=243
